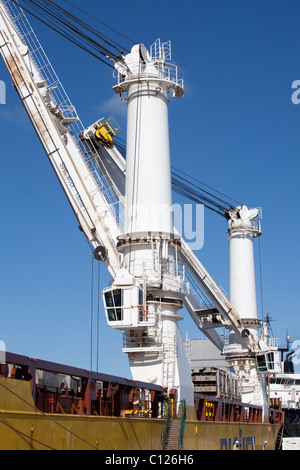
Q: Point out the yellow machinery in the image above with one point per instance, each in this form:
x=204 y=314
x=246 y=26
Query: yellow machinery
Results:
x=107 y=130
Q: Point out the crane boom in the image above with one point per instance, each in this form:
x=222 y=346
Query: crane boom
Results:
x=51 y=122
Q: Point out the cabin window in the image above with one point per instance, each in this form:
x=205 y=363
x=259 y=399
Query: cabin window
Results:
x=270 y=360
x=262 y=363
x=113 y=302
x=141 y=297
x=141 y=305
x=265 y=362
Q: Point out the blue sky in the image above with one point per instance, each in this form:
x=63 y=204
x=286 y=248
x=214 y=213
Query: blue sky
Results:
x=236 y=129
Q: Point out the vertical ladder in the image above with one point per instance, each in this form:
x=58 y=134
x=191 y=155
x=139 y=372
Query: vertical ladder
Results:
x=169 y=355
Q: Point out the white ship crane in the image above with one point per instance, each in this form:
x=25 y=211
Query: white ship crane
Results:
x=124 y=209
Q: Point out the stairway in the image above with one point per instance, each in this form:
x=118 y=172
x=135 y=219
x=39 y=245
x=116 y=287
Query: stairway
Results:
x=173 y=439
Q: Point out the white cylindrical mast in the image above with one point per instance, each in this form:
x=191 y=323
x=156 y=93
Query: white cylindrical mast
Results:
x=148 y=245
x=244 y=225
x=242 y=230
x=147 y=80
x=148 y=172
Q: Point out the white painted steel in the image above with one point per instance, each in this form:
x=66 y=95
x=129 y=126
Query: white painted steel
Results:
x=242 y=274
x=242 y=229
x=242 y=268
x=148 y=172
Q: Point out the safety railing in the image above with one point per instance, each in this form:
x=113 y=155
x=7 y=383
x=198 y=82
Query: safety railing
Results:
x=40 y=60
x=182 y=416
x=165 y=433
x=160 y=50
x=169 y=415
x=163 y=72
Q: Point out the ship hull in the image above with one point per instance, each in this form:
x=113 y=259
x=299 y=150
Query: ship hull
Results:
x=23 y=427
x=291 y=422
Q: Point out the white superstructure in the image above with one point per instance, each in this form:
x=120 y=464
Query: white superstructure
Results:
x=286 y=387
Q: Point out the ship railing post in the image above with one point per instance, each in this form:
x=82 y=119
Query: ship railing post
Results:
x=32 y=372
x=86 y=396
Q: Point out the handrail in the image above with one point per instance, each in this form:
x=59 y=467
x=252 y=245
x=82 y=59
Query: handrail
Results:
x=165 y=433
x=182 y=416
x=182 y=424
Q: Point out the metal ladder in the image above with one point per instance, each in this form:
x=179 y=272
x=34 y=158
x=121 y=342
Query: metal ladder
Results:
x=169 y=355
x=173 y=438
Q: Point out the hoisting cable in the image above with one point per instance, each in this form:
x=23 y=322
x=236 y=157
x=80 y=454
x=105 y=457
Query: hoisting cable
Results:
x=95 y=297
x=92 y=313
x=64 y=13
x=184 y=185
x=195 y=285
x=101 y=22
x=74 y=41
x=193 y=189
x=120 y=144
x=207 y=186
x=188 y=191
x=98 y=317
x=74 y=29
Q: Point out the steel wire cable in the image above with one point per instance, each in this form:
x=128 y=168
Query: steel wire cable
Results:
x=120 y=49
x=194 y=190
x=74 y=41
x=207 y=186
x=198 y=290
x=101 y=22
x=74 y=29
x=185 y=186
